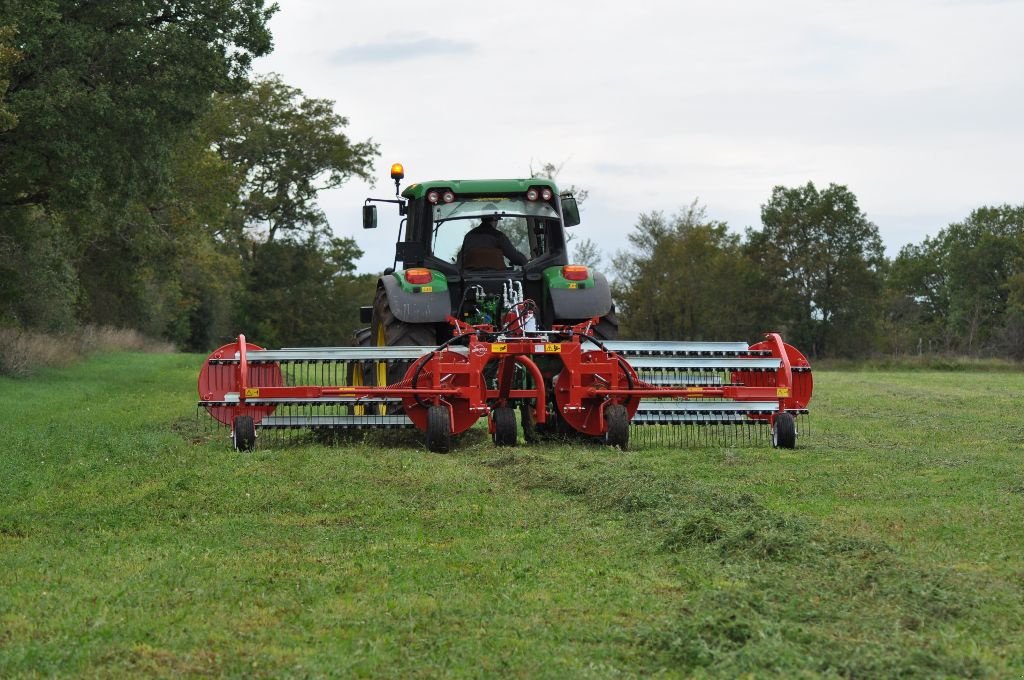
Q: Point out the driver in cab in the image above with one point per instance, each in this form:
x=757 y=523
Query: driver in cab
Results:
x=485 y=247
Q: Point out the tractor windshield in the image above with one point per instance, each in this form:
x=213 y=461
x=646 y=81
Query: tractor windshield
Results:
x=453 y=220
x=501 y=207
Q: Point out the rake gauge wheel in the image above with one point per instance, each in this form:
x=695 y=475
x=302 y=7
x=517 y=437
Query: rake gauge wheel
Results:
x=504 y=426
x=616 y=418
x=784 y=431
x=526 y=417
x=439 y=433
x=243 y=433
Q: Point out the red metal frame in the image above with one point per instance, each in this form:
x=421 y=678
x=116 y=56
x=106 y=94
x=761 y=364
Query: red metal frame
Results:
x=589 y=381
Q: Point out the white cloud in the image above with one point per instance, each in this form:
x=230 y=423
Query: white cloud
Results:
x=914 y=104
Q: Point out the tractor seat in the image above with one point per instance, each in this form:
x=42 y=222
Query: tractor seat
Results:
x=483 y=258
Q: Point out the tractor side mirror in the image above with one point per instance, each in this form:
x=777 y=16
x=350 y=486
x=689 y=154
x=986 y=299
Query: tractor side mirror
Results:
x=570 y=211
x=369 y=217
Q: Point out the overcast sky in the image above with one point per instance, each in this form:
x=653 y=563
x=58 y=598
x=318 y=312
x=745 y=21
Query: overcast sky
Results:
x=916 y=105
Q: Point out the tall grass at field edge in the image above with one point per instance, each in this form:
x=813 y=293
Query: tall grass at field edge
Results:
x=22 y=352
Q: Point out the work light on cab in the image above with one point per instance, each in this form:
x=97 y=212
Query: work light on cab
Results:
x=397 y=174
x=433 y=197
x=532 y=194
x=546 y=194
x=418 y=276
x=575 y=272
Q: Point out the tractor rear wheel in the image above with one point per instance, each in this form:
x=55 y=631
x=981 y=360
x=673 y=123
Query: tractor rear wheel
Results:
x=439 y=432
x=784 y=431
x=358 y=372
x=608 y=327
x=616 y=419
x=504 y=426
x=243 y=433
x=387 y=330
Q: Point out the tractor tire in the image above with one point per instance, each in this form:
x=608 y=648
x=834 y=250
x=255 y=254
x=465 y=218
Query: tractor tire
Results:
x=616 y=419
x=784 y=431
x=608 y=327
x=358 y=372
x=439 y=433
x=243 y=433
x=387 y=330
x=504 y=426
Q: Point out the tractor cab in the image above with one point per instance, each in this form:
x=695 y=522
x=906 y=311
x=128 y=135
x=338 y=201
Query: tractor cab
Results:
x=436 y=217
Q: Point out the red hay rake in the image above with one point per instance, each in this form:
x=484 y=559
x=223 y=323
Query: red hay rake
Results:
x=564 y=382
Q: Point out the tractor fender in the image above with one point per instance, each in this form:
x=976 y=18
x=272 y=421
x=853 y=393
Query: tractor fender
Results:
x=410 y=307
x=576 y=303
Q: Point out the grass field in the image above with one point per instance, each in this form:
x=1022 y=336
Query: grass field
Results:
x=889 y=544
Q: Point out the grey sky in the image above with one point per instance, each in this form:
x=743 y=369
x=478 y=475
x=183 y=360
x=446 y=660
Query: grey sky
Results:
x=915 y=105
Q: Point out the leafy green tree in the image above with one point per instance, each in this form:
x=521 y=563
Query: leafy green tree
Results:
x=304 y=292
x=581 y=252
x=38 y=285
x=9 y=56
x=820 y=262
x=966 y=283
x=586 y=252
x=164 y=266
x=104 y=89
x=105 y=94
x=288 y=148
x=284 y=149
x=685 y=278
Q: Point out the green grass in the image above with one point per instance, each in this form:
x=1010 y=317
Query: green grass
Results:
x=887 y=545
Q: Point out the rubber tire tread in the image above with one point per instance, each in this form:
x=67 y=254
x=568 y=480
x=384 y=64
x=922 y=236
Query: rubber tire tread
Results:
x=616 y=420
x=505 y=433
x=784 y=431
x=439 y=437
x=243 y=433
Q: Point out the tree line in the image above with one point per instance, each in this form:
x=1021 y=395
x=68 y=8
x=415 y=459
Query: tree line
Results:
x=817 y=272
x=149 y=180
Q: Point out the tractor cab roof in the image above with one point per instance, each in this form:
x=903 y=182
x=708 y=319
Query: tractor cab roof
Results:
x=478 y=186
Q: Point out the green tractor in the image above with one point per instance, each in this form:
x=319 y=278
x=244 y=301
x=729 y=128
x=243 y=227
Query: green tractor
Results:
x=438 y=280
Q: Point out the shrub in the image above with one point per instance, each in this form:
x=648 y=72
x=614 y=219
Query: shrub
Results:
x=23 y=352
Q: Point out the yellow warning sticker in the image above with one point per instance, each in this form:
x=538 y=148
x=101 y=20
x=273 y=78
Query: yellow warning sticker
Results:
x=499 y=347
x=251 y=392
x=427 y=289
x=572 y=285
x=554 y=347
x=782 y=391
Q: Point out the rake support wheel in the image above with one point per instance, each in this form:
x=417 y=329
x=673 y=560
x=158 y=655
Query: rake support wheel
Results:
x=243 y=433
x=439 y=432
x=504 y=426
x=616 y=418
x=784 y=431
